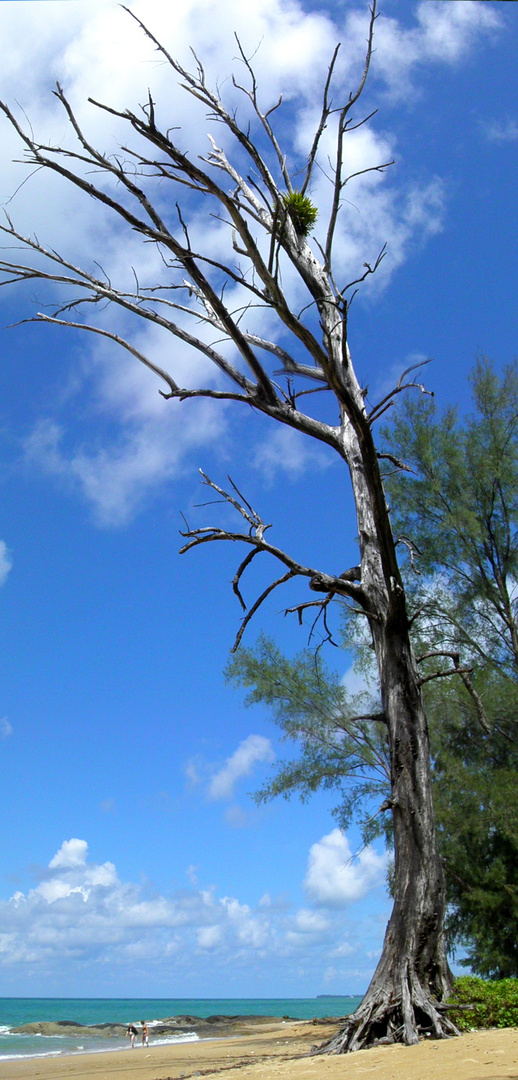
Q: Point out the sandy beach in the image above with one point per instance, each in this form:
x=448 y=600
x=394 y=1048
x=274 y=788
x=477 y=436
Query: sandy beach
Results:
x=279 y=1051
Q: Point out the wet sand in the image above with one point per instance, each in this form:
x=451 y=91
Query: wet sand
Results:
x=279 y=1051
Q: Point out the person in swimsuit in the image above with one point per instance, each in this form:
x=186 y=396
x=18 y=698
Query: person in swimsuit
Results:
x=145 y=1033
x=131 y=1032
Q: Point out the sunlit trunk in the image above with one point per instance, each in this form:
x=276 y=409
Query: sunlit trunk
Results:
x=412 y=978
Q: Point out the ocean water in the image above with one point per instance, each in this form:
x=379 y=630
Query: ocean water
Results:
x=17 y=1011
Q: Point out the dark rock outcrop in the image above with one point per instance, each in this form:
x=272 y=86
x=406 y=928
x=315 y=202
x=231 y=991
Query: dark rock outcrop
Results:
x=209 y=1027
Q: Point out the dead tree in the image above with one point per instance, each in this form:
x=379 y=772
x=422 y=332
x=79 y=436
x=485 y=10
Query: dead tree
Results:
x=269 y=221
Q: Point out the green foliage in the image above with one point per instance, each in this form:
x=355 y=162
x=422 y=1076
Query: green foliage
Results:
x=459 y=507
x=494 y=1004
x=476 y=805
x=302 y=212
x=338 y=746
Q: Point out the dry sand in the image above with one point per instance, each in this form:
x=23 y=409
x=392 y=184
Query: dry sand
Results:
x=275 y=1052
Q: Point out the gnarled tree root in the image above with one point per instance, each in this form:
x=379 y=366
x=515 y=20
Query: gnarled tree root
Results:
x=390 y=1014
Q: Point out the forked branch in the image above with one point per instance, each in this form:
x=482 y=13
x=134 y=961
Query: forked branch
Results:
x=342 y=585
x=387 y=401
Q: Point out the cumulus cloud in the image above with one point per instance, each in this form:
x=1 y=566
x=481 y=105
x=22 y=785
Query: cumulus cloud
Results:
x=209 y=937
x=310 y=922
x=81 y=911
x=84 y=907
x=69 y=875
x=71 y=853
x=249 y=928
x=334 y=877
x=254 y=749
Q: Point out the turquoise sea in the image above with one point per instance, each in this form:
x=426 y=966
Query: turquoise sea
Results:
x=17 y=1011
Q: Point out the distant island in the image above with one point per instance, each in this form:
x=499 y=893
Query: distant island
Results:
x=336 y=997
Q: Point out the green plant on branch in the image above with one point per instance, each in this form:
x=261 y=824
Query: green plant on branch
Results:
x=302 y=212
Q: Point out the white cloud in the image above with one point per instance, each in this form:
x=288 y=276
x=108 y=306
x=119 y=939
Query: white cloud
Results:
x=442 y=34
x=71 y=853
x=209 y=937
x=69 y=875
x=81 y=912
x=286 y=450
x=6 y=562
x=192 y=772
x=250 y=752
x=5 y=728
x=345 y=949
x=357 y=682
x=117 y=478
x=250 y=929
x=501 y=131
x=335 y=877
x=311 y=922
x=449 y=31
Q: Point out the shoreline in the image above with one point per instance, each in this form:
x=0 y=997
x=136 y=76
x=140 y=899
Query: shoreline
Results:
x=282 y=1051
x=79 y=1052
x=264 y=1041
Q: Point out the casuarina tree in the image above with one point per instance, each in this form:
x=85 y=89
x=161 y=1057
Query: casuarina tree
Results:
x=246 y=189
x=459 y=510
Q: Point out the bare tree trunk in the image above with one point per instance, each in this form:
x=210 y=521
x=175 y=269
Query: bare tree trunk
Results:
x=413 y=977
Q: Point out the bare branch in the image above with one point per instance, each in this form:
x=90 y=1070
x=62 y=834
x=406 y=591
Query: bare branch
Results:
x=257 y=605
x=173 y=387
x=387 y=401
x=289 y=364
x=479 y=706
x=455 y=656
x=457 y=669
x=413 y=550
x=245 y=510
x=237 y=576
x=322 y=608
x=198 y=88
x=324 y=116
x=368 y=270
x=342 y=585
x=394 y=461
x=263 y=117
x=444 y=675
x=376 y=718
x=342 y=127
x=100 y=290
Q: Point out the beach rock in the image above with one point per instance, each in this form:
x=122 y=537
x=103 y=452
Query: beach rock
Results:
x=205 y=1027
x=71 y=1028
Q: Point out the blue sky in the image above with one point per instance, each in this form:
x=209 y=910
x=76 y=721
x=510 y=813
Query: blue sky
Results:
x=134 y=861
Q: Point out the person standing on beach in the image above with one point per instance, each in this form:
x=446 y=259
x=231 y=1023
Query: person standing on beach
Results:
x=145 y=1033
x=132 y=1031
